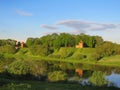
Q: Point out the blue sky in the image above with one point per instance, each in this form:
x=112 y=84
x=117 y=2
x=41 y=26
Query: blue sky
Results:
x=20 y=19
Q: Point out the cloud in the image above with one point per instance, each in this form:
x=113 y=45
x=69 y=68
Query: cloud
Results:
x=49 y=27
x=23 y=13
x=83 y=26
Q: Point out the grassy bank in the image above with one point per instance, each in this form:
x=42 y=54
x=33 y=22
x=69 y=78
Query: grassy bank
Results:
x=36 y=85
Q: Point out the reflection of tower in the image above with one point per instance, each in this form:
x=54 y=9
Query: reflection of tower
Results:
x=80 y=44
x=79 y=71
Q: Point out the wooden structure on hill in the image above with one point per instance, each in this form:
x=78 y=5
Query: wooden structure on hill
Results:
x=80 y=45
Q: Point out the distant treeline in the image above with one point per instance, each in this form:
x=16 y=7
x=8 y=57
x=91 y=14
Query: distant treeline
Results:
x=65 y=40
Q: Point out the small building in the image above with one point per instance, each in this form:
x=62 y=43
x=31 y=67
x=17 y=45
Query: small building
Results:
x=19 y=45
x=80 y=45
x=22 y=44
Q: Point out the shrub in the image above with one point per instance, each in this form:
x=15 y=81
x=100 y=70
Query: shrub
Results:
x=7 y=49
x=98 y=79
x=38 y=68
x=57 y=76
x=19 y=67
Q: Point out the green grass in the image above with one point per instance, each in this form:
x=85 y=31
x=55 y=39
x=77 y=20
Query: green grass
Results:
x=107 y=61
x=37 y=85
x=111 y=61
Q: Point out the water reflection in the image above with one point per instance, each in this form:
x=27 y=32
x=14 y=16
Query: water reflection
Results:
x=114 y=79
x=80 y=73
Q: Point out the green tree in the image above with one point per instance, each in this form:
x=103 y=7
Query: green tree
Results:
x=88 y=40
x=4 y=42
x=30 y=42
x=64 y=40
x=98 y=41
x=106 y=49
x=37 y=41
x=41 y=50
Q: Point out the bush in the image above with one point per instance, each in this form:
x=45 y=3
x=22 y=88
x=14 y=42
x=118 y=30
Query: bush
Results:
x=106 y=49
x=57 y=76
x=98 y=79
x=38 y=68
x=19 y=67
x=7 y=49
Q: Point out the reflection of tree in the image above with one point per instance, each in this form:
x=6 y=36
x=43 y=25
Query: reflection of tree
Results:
x=87 y=73
x=98 y=79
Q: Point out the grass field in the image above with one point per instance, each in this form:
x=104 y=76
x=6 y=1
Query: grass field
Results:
x=110 y=61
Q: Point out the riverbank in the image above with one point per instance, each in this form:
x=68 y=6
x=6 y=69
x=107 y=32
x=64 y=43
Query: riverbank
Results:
x=37 y=85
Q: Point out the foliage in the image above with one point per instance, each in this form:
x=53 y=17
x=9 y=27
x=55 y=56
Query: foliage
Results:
x=98 y=79
x=98 y=41
x=106 y=49
x=30 y=42
x=38 y=67
x=66 y=66
x=64 y=40
x=78 y=56
x=95 y=56
x=19 y=67
x=40 y=50
x=57 y=76
x=7 y=42
x=7 y=49
x=66 y=52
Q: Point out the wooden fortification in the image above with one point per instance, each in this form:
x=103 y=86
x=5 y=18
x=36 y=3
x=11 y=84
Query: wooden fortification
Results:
x=80 y=45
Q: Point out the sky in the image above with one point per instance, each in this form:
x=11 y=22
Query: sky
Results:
x=20 y=19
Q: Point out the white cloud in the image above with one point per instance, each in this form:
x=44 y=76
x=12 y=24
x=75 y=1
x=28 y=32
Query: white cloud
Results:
x=23 y=13
x=49 y=27
x=84 y=26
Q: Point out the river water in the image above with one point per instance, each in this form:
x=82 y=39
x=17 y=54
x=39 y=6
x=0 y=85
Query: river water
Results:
x=112 y=74
x=114 y=78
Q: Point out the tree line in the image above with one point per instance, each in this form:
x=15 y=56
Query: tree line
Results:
x=48 y=44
